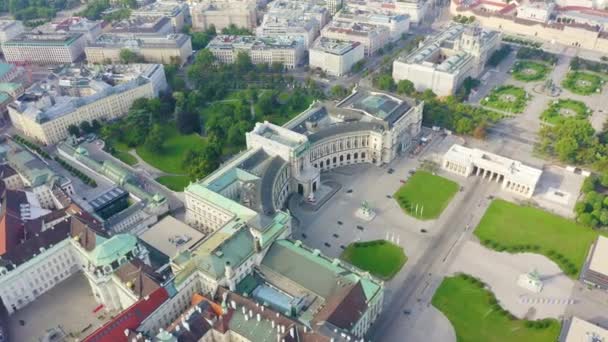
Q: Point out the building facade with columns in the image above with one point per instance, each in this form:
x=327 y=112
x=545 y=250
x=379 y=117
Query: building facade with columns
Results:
x=443 y=61
x=512 y=174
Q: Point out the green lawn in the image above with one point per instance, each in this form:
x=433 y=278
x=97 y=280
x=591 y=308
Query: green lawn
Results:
x=513 y=228
x=507 y=98
x=582 y=83
x=476 y=316
x=170 y=159
x=121 y=151
x=529 y=71
x=175 y=183
x=429 y=192
x=379 y=257
x=561 y=109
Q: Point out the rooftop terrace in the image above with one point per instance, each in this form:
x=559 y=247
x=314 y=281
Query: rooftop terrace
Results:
x=44 y=39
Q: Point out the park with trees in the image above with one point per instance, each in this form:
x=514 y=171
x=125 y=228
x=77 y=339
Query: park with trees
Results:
x=35 y=12
x=188 y=133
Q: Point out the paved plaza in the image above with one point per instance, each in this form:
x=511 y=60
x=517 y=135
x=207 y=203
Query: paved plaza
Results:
x=500 y=271
x=69 y=305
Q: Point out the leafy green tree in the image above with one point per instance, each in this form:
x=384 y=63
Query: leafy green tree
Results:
x=233 y=30
x=73 y=130
x=187 y=122
x=94 y=9
x=586 y=219
x=243 y=62
x=338 y=92
x=357 y=67
x=95 y=125
x=86 y=127
x=464 y=126
x=385 y=82
x=405 y=87
x=566 y=149
x=604 y=180
x=127 y=56
x=154 y=140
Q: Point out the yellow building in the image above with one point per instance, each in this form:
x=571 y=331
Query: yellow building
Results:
x=152 y=49
x=46 y=110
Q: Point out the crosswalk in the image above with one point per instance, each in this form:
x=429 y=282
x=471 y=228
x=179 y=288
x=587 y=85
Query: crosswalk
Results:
x=554 y=301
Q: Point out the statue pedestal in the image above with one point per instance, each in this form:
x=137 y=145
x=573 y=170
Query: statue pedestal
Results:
x=531 y=282
x=365 y=214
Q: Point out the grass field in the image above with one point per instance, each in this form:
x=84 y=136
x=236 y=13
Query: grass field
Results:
x=555 y=113
x=513 y=228
x=175 y=183
x=582 y=83
x=507 y=98
x=431 y=193
x=477 y=317
x=121 y=151
x=528 y=71
x=170 y=159
x=379 y=257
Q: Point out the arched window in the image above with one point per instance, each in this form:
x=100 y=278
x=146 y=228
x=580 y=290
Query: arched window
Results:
x=356 y=156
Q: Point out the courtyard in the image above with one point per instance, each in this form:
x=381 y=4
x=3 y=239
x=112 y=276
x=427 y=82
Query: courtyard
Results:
x=508 y=98
x=425 y=195
x=69 y=305
x=515 y=229
x=565 y=108
x=477 y=316
x=381 y=258
x=583 y=83
x=529 y=71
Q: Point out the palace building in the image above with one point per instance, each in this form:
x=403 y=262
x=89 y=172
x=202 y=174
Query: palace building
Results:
x=512 y=174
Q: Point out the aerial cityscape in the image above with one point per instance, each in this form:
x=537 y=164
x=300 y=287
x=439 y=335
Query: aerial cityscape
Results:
x=303 y=170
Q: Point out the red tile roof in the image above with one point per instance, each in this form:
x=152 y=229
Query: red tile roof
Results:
x=130 y=318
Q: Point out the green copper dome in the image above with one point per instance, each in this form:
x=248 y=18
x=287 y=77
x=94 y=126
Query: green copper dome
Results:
x=113 y=249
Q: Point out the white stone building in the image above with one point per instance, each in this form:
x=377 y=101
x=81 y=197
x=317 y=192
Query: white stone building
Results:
x=10 y=29
x=49 y=107
x=55 y=48
x=25 y=171
x=91 y=29
x=511 y=174
x=139 y=26
x=442 y=62
x=177 y=12
x=536 y=11
x=397 y=24
x=286 y=50
x=64 y=243
x=163 y=49
x=221 y=14
x=595 y=270
x=335 y=57
x=295 y=19
x=372 y=37
x=576 y=329
x=415 y=9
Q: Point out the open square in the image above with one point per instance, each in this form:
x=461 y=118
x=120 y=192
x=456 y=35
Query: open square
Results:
x=425 y=195
x=512 y=228
x=476 y=315
x=528 y=71
x=560 y=109
x=69 y=305
x=507 y=98
x=379 y=257
x=582 y=83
